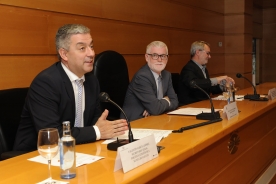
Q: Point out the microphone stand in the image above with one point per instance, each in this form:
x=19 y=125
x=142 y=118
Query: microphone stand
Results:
x=213 y=117
x=251 y=96
x=113 y=146
x=204 y=115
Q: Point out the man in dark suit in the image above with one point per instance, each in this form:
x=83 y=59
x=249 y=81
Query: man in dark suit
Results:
x=196 y=70
x=54 y=93
x=150 y=91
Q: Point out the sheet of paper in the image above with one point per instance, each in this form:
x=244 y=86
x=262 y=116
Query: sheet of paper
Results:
x=81 y=159
x=139 y=133
x=237 y=98
x=191 y=111
x=52 y=181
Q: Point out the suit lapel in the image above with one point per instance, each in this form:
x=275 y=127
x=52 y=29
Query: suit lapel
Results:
x=152 y=79
x=198 y=70
x=68 y=88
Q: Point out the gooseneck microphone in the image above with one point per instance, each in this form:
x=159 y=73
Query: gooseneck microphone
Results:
x=249 y=96
x=213 y=117
x=104 y=97
x=207 y=116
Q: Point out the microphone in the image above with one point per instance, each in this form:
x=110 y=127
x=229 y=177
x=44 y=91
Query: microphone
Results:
x=254 y=96
x=104 y=97
x=205 y=115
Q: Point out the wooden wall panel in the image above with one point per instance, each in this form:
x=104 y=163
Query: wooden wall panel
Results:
x=19 y=71
x=269 y=32
x=269 y=66
x=234 y=43
x=80 y=7
x=181 y=41
x=269 y=3
x=214 y=5
x=269 y=39
x=234 y=6
x=127 y=27
x=172 y=14
x=257 y=30
x=23 y=31
x=257 y=15
x=269 y=16
x=200 y=23
x=29 y=27
x=234 y=23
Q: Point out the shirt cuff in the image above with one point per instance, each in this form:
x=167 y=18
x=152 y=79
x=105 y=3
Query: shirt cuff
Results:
x=167 y=101
x=98 y=133
x=214 y=81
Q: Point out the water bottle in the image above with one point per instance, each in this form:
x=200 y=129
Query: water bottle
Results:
x=67 y=153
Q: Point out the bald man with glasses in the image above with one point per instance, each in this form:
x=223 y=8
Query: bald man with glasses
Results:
x=196 y=70
x=151 y=91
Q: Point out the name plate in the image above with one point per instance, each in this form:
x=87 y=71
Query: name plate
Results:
x=135 y=154
x=231 y=110
x=272 y=93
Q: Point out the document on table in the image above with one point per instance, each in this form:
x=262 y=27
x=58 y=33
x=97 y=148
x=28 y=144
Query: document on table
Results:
x=139 y=133
x=81 y=159
x=190 y=111
x=237 y=98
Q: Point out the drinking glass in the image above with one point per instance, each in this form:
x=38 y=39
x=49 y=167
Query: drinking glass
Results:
x=227 y=95
x=47 y=146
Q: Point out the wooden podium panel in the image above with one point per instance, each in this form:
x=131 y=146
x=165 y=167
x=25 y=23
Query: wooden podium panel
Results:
x=199 y=155
x=215 y=164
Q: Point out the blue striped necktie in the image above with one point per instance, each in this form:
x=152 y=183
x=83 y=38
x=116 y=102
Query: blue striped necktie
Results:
x=79 y=104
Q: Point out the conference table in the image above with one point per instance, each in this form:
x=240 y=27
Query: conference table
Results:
x=230 y=151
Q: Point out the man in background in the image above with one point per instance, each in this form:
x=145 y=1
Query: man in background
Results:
x=195 y=70
x=151 y=91
x=67 y=91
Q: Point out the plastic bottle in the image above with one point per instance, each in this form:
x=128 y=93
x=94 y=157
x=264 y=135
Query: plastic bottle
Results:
x=67 y=153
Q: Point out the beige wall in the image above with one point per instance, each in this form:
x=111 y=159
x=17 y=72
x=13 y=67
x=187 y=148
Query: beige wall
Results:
x=28 y=29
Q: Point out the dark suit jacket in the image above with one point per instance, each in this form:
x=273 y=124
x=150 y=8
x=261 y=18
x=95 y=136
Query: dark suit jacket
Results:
x=187 y=94
x=142 y=95
x=50 y=101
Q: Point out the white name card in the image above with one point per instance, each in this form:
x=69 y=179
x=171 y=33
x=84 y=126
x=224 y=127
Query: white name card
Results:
x=231 y=110
x=272 y=93
x=135 y=154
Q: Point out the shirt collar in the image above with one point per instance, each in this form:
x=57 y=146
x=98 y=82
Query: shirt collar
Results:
x=200 y=66
x=155 y=75
x=70 y=74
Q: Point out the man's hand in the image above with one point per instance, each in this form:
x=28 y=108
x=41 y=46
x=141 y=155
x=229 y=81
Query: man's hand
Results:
x=225 y=77
x=111 y=129
x=145 y=113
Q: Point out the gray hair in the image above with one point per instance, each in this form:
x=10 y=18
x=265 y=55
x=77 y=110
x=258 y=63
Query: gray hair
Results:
x=198 y=45
x=156 y=44
x=65 y=32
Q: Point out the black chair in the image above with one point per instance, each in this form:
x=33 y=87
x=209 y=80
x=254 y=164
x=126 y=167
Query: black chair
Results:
x=175 y=81
x=11 y=105
x=111 y=70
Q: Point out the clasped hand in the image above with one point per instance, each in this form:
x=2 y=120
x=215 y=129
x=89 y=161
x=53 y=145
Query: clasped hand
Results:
x=225 y=77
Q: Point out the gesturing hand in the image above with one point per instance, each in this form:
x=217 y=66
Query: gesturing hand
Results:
x=111 y=129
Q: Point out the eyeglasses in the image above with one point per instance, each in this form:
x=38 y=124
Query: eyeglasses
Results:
x=156 y=56
x=208 y=53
